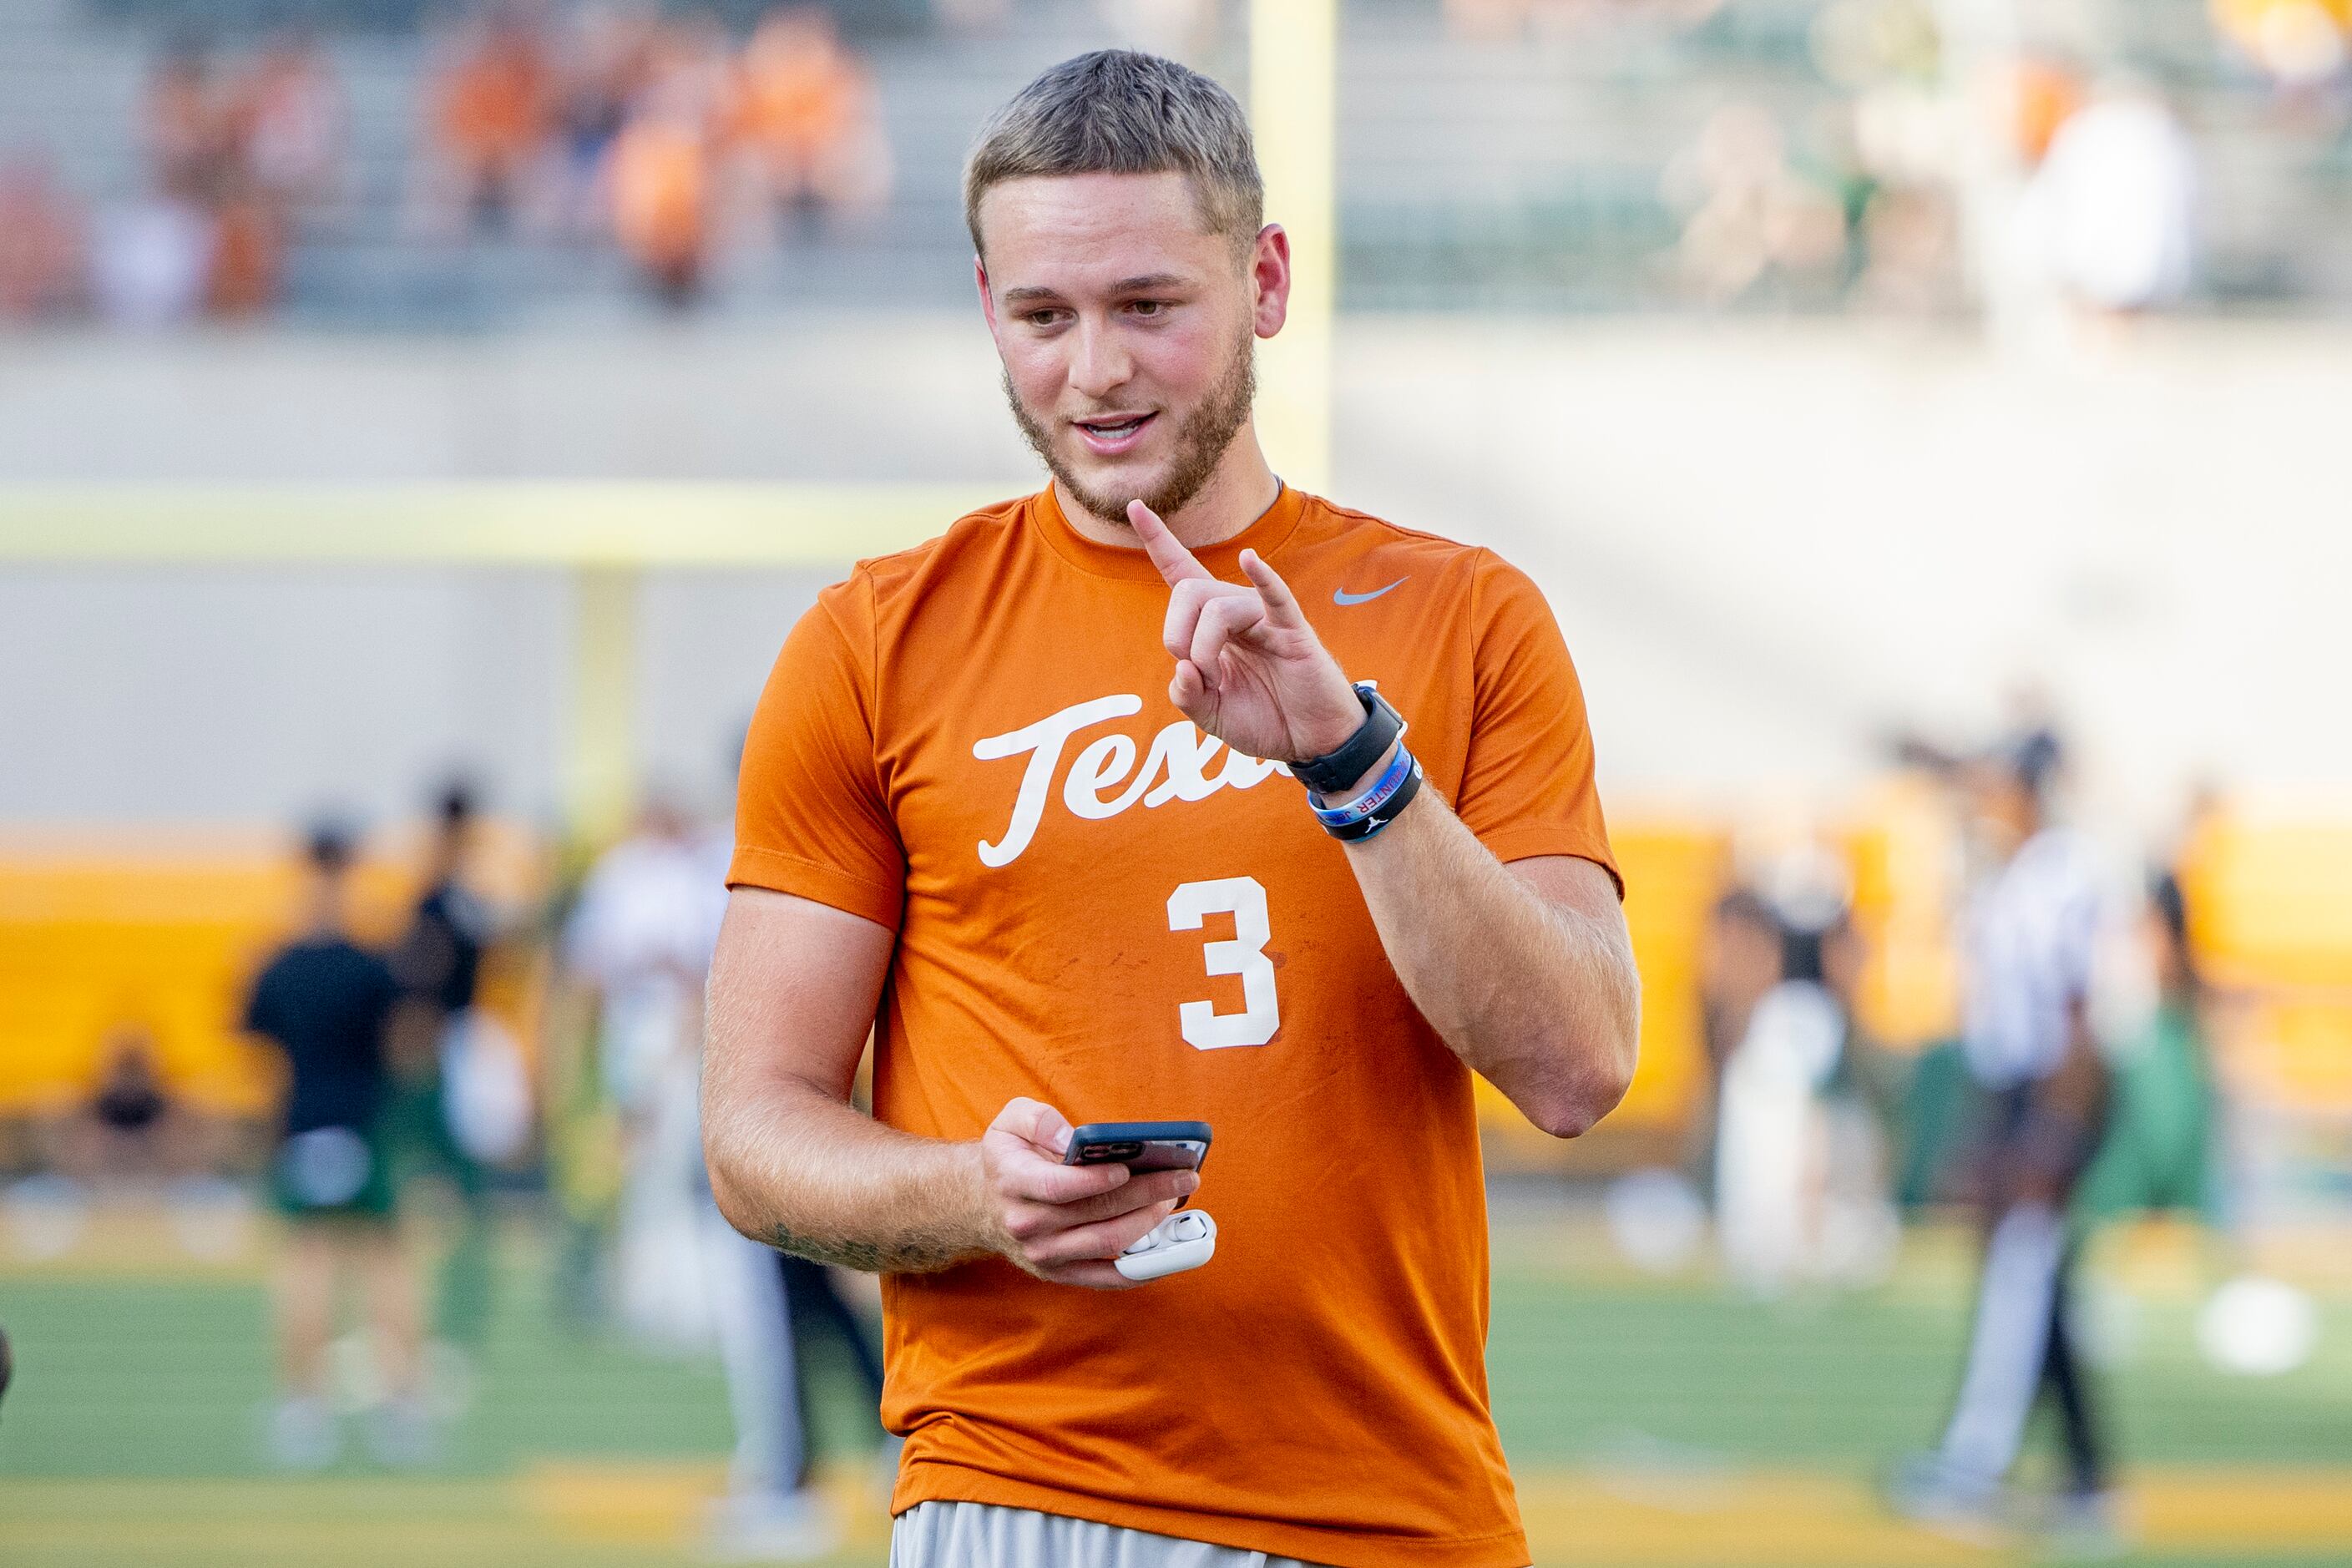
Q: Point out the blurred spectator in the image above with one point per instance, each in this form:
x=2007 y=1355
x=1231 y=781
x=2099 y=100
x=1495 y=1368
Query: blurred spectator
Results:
x=151 y=261
x=233 y=166
x=130 y=1130
x=439 y=961
x=1909 y=226
x=249 y=247
x=662 y=192
x=2031 y=933
x=41 y=243
x=611 y=55
x=641 y=934
x=1910 y=242
x=817 y=1304
x=2042 y=95
x=190 y=129
x=1740 y=960
x=2109 y=216
x=2302 y=45
x=1798 y=1175
x=326 y=1002
x=805 y=112
x=491 y=102
x=665 y=195
x=640 y=939
x=438 y=965
x=292 y=125
x=2159 y=1150
x=159 y=257
x=1750 y=215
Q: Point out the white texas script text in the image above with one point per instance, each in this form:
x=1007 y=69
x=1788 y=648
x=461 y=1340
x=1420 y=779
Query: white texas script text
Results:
x=1178 y=760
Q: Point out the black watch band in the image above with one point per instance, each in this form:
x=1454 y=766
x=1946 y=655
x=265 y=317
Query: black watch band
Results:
x=1335 y=770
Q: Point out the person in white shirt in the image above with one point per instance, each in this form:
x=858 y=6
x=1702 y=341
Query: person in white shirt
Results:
x=2030 y=931
x=2110 y=215
x=641 y=934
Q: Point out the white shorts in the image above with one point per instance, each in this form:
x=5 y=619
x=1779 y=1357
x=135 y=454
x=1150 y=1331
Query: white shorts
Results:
x=983 y=1535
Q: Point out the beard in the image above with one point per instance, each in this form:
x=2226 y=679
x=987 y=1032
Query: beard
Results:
x=1201 y=443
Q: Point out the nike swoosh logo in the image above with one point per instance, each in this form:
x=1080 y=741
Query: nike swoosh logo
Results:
x=1341 y=596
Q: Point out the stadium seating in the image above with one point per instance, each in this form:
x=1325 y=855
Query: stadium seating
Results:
x=1472 y=174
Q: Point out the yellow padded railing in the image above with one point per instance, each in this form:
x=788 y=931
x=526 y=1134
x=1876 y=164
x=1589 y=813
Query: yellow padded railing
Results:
x=2270 y=892
x=161 y=935
x=1674 y=873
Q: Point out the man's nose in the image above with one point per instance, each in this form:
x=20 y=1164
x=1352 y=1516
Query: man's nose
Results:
x=1100 y=363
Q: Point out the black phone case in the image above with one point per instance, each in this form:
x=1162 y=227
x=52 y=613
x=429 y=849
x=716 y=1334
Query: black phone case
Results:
x=1100 y=1142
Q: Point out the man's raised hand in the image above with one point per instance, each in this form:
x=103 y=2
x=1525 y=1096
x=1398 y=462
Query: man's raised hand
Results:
x=1066 y=1223
x=1249 y=668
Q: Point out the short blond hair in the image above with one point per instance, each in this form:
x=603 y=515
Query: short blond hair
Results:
x=1118 y=111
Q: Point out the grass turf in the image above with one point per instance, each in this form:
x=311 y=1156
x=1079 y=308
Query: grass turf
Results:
x=132 y=1435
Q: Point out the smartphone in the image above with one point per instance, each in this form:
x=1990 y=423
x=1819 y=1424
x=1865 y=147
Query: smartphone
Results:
x=1139 y=1145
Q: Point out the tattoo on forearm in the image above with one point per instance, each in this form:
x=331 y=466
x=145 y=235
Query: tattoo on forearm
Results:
x=907 y=1254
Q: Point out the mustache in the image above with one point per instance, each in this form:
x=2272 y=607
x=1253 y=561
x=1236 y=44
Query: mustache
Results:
x=1083 y=415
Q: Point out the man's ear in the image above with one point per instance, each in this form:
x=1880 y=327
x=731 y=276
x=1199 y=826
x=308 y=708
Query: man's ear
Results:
x=1270 y=278
x=987 y=299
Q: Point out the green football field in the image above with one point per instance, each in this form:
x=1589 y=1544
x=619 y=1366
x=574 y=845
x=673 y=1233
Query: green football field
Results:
x=1648 y=1422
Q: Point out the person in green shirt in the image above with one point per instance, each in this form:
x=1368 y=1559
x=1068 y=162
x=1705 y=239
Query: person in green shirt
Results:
x=2158 y=1152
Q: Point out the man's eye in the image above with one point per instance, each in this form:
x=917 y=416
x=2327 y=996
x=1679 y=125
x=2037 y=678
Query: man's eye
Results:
x=1149 y=307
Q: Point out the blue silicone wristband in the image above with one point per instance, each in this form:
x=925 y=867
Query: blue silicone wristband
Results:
x=1377 y=807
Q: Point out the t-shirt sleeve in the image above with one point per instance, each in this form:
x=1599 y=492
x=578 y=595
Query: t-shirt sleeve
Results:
x=1526 y=786
x=262 y=1014
x=809 y=815
x=385 y=992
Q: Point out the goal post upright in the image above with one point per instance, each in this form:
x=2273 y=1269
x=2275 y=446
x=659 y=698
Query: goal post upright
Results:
x=1294 y=115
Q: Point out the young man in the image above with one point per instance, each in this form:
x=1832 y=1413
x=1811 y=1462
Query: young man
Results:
x=1021 y=788
x=2031 y=929
x=326 y=1002
x=438 y=965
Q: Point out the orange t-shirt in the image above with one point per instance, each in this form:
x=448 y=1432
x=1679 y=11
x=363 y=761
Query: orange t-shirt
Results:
x=971 y=742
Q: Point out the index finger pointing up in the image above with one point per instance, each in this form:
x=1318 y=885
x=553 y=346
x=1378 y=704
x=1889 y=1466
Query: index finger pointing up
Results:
x=1167 y=552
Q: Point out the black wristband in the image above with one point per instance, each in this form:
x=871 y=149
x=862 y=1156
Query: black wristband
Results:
x=1334 y=771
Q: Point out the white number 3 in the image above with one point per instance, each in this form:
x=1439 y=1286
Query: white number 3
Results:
x=1206 y=1029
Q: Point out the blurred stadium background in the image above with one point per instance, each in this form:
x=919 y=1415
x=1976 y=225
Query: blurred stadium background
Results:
x=392 y=391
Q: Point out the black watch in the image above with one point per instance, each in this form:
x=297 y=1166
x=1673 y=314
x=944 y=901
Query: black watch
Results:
x=1336 y=770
